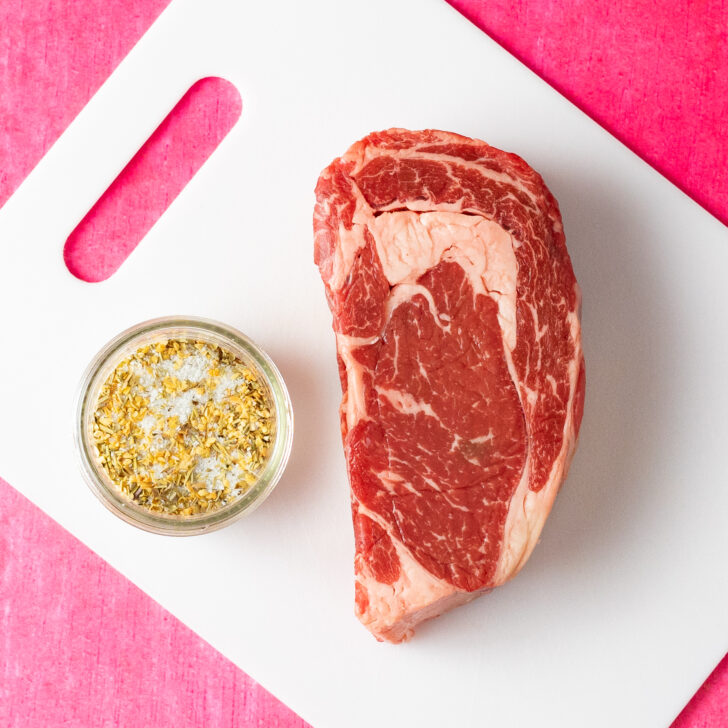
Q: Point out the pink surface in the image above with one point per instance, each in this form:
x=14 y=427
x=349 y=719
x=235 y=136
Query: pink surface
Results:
x=81 y=646
x=152 y=179
x=654 y=74
x=709 y=706
x=54 y=55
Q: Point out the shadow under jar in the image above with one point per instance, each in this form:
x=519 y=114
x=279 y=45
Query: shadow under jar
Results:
x=155 y=336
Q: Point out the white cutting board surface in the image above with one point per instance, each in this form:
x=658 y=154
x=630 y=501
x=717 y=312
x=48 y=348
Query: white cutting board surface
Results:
x=623 y=609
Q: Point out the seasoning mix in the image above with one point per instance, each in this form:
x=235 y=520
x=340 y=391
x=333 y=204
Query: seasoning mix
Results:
x=183 y=427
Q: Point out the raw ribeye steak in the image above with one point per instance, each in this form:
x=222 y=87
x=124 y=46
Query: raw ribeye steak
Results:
x=456 y=315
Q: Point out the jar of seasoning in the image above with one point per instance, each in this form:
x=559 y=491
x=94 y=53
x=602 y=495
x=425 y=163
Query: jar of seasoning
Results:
x=183 y=425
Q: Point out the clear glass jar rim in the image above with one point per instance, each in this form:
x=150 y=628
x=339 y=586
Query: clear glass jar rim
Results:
x=214 y=332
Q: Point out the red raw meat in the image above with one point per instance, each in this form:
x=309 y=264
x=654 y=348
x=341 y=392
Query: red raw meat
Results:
x=456 y=315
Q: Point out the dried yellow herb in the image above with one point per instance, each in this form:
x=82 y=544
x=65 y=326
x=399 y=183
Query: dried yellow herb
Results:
x=183 y=427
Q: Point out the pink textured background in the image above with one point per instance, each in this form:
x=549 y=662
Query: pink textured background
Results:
x=81 y=646
x=155 y=175
x=54 y=55
x=656 y=75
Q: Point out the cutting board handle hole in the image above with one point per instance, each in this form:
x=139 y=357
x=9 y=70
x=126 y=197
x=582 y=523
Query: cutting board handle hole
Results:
x=152 y=179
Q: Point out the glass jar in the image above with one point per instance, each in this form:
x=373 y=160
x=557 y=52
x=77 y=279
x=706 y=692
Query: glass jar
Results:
x=190 y=328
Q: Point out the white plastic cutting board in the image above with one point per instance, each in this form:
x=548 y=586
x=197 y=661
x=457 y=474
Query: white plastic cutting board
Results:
x=623 y=609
